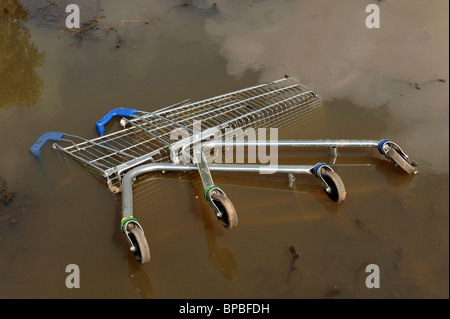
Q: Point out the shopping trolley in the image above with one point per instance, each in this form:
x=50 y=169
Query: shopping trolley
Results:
x=146 y=144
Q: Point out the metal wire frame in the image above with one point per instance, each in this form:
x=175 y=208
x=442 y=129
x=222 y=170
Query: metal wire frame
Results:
x=146 y=137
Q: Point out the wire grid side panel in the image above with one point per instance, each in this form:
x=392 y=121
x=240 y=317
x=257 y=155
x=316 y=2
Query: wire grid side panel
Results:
x=242 y=107
x=152 y=134
x=78 y=169
x=100 y=153
x=265 y=105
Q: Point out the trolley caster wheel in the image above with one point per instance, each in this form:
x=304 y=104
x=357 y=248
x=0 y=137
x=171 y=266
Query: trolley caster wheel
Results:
x=331 y=182
x=138 y=242
x=395 y=154
x=223 y=208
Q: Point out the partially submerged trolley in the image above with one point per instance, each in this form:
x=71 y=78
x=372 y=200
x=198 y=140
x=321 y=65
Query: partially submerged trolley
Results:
x=146 y=144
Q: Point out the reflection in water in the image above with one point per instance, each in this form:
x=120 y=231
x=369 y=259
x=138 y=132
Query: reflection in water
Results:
x=139 y=278
x=149 y=192
x=329 y=49
x=19 y=83
x=222 y=259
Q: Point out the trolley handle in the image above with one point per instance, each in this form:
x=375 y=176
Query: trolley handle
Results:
x=49 y=136
x=121 y=111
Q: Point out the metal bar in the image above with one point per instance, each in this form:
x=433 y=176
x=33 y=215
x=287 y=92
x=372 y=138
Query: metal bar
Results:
x=297 y=143
x=284 y=143
x=127 y=181
x=203 y=169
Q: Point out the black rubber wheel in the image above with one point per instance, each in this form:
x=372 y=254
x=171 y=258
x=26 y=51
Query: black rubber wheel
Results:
x=337 y=193
x=400 y=161
x=142 y=252
x=228 y=219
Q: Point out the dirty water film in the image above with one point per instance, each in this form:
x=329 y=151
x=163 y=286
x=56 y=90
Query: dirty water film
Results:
x=291 y=241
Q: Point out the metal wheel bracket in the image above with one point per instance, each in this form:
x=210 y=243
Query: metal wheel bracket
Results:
x=317 y=173
x=210 y=193
x=126 y=230
x=136 y=239
x=330 y=181
x=222 y=206
x=386 y=147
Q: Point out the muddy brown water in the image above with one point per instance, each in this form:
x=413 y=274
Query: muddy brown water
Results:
x=378 y=83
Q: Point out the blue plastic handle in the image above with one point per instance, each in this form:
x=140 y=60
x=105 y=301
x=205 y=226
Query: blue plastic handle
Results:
x=49 y=136
x=121 y=111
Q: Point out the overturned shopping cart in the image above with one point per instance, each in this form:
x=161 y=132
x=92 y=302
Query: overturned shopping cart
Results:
x=180 y=138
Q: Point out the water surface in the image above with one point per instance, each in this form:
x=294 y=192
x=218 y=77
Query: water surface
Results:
x=378 y=83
